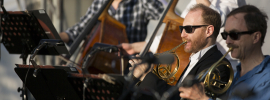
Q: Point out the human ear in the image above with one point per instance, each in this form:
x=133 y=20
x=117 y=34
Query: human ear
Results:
x=209 y=30
x=257 y=37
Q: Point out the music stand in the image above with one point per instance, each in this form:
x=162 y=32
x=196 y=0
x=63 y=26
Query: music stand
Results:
x=50 y=84
x=25 y=29
x=64 y=83
x=97 y=87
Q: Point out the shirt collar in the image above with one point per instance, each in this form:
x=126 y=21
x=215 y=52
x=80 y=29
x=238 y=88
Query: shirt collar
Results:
x=259 y=67
x=199 y=54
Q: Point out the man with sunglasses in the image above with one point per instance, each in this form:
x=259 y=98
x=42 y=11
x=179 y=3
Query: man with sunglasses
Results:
x=200 y=29
x=245 y=30
x=224 y=7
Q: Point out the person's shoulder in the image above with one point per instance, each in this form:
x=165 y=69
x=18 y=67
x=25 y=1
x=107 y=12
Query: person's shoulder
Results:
x=265 y=65
x=216 y=55
x=266 y=62
x=215 y=52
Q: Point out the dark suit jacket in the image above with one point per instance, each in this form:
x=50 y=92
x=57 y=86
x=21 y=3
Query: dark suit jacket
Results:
x=151 y=81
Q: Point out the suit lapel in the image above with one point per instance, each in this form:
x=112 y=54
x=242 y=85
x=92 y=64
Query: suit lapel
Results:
x=183 y=72
x=210 y=52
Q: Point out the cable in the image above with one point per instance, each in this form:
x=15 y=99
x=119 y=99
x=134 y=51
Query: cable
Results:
x=24 y=84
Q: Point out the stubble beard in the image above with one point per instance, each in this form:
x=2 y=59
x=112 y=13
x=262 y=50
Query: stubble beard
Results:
x=196 y=46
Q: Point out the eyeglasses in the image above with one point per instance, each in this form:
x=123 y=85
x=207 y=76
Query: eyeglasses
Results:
x=190 y=28
x=234 y=35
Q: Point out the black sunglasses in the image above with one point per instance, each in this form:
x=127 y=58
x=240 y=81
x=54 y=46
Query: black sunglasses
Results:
x=234 y=35
x=190 y=28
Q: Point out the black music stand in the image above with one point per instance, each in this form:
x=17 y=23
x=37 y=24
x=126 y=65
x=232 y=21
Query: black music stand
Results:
x=97 y=88
x=50 y=84
x=23 y=30
x=63 y=83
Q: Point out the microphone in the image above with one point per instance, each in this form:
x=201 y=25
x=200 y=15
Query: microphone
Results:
x=150 y=58
x=94 y=50
x=42 y=43
x=49 y=43
x=109 y=49
x=163 y=58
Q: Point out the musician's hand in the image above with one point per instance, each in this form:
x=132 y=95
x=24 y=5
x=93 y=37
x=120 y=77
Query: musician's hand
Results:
x=196 y=92
x=140 y=70
x=204 y=2
x=132 y=48
x=64 y=37
x=127 y=47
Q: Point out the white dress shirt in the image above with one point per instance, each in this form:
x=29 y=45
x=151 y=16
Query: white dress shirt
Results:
x=194 y=58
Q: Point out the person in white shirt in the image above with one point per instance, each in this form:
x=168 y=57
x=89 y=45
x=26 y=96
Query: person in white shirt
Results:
x=223 y=7
x=200 y=29
x=245 y=31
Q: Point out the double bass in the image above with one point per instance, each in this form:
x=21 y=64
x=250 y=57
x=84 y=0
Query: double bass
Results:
x=170 y=43
x=172 y=33
x=102 y=28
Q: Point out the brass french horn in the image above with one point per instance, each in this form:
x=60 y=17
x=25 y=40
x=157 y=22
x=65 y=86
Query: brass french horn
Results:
x=213 y=83
x=164 y=72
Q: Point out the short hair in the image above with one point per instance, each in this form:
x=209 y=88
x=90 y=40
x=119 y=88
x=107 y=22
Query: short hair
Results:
x=256 y=20
x=210 y=17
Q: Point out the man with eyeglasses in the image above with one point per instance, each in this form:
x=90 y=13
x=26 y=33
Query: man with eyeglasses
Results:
x=200 y=29
x=245 y=30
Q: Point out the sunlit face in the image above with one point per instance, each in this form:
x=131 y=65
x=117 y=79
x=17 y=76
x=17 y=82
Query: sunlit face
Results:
x=243 y=45
x=196 y=40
